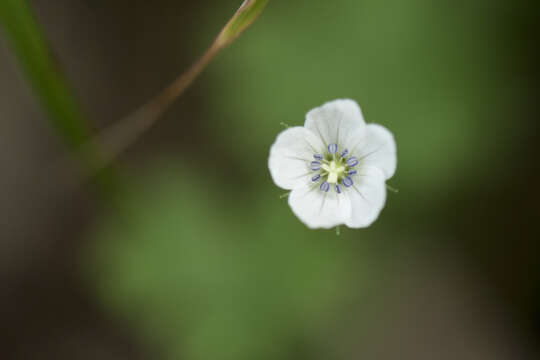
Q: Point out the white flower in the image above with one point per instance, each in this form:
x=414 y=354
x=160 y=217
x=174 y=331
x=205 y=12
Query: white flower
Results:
x=335 y=165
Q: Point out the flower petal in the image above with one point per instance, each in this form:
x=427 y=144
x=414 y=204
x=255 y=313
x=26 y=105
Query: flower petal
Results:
x=367 y=197
x=378 y=149
x=291 y=156
x=318 y=209
x=337 y=122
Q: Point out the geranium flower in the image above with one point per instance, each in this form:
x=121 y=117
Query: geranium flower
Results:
x=336 y=166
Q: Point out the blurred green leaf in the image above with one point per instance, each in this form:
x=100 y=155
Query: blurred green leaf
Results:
x=203 y=278
x=36 y=60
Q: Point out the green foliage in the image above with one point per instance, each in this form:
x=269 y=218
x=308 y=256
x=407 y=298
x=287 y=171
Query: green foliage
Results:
x=37 y=63
x=206 y=279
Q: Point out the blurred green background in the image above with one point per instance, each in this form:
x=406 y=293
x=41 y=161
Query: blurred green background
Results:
x=191 y=254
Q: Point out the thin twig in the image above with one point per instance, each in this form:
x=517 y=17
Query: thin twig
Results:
x=116 y=138
x=113 y=140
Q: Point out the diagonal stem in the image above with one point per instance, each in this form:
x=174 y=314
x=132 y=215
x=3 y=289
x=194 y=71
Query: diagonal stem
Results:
x=114 y=139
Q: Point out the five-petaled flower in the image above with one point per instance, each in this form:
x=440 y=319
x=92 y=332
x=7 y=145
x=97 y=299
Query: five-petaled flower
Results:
x=336 y=166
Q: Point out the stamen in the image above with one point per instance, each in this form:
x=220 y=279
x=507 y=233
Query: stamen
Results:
x=332 y=148
x=317 y=156
x=352 y=161
x=316 y=177
x=325 y=186
x=351 y=172
x=347 y=181
x=344 y=153
x=338 y=189
x=315 y=165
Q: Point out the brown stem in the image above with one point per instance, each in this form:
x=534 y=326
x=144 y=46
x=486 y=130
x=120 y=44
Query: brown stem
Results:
x=120 y=135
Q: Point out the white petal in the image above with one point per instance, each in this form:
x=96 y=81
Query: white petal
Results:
x=318 y=209
x=367 y=196
x=378 y=149
x=336 y=122
x=291 y=156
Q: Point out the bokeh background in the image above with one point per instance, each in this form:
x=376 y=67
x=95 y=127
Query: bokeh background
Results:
x=193 y=255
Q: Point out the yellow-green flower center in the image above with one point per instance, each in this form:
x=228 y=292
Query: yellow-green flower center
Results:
x=335 y=170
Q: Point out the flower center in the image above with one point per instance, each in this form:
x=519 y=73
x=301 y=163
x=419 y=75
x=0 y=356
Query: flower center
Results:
x=333 y=168
x=335 y=171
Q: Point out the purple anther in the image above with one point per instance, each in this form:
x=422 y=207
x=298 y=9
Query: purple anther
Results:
x=344 y=153
x=338 y=189
x=351 y=172
x=315 y=165
x=332 y=148
x=317 y=156
x=316 y=177
x=325 y=186
x=352 y=161
x=347 y=181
